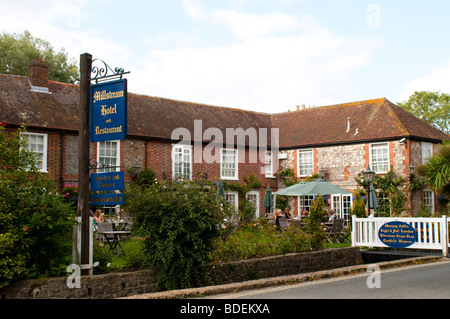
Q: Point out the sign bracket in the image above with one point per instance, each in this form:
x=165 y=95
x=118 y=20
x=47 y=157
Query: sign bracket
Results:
x=104 y=72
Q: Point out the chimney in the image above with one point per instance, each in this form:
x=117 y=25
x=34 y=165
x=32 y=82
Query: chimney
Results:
x=302 y=107
x=297 y=107
x=38 y=73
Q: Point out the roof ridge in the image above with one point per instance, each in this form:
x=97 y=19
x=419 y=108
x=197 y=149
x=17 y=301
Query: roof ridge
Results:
x=380 y=100
x=199 y=104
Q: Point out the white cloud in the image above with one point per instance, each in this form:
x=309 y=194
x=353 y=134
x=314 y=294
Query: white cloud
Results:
x=273 y=73
x=244 y=25
x=436 y=80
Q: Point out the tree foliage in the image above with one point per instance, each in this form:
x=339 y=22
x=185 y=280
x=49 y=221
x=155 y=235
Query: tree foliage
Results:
x=315 y=223
x=432 y=107
x=437 y=170
x=35 y=221
x=391 y=197
x=179 y=221
x=16 y=50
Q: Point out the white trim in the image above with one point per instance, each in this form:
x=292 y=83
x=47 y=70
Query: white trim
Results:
x=117 y=168
x=268 y=171
x=44 y=153
x=298 y=162
x=236 y=198
x=183 y=148
x=371 y=145
x=427 y=151
x=429 y=191
x=236 y=171
x=256 y=203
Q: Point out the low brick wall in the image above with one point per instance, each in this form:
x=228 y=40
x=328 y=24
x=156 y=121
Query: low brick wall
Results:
x=117 y=285
x=284 y=265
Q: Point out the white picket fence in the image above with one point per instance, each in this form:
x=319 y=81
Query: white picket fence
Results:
x=432 y=233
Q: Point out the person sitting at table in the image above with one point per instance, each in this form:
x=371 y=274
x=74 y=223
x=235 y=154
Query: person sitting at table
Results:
x=305 y=213
x=287 y=213
x=98 y=218
x=331 y=216
x=278 y=213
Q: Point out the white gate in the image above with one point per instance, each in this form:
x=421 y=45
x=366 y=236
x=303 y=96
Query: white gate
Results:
x=432 y=233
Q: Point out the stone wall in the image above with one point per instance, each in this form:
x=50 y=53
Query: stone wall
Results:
x=288 y=264
x=118 y=285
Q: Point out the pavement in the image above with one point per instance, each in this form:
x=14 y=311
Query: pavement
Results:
x=278 y=281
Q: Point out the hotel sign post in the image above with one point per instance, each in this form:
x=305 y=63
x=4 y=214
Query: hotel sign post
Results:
x=102 y=117
x=108 y=111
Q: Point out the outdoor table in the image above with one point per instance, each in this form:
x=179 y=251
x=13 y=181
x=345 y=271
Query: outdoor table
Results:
x=116 y=239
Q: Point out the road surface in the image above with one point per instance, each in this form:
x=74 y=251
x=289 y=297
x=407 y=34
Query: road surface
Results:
x=425 y=281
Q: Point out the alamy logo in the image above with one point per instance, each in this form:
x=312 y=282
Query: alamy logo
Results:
x=257 y=141
x=374 y=279
x=74 y=280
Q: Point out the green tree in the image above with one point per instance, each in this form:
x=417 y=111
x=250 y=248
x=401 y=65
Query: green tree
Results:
x=16 y=50
x=315 y=223
x=179 y=221
x=432 y=107
x=359 y=207
x=437 y=170
x=35 y=221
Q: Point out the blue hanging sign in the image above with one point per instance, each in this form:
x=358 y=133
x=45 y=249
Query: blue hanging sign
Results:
x=107 y=199
x=109 y=111
x=397 y=234
x=107 y=181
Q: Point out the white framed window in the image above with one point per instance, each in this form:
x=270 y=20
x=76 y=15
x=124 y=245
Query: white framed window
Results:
x=428 y=201
x=233 y=198
x=228 y=164
x=379 y=157
x=253 y=197
x=427 y=152
x=305 y=203
x=108 y=156
x=305 y=160
x=182 y=161
x=37 y=143
x=268 y=166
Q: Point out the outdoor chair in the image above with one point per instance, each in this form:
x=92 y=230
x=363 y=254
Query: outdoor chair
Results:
x=282 y=222
x=128 y=226
x=335 y=231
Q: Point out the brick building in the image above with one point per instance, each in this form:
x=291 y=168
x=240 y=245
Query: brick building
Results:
x=340 y=140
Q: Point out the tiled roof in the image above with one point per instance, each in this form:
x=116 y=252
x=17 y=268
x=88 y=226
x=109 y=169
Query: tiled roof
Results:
x=353 y=122
x=147 y=116
x=155 y=117
x=19 y=105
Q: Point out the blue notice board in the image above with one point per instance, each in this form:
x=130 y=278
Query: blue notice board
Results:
x=107 y=199
x=113 y=181
x=397 y=234
x=109 y=111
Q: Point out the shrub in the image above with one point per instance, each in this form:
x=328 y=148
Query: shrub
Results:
x=259 y=239
x=179 y=221
x=35 y=221
x=315 y=224
x=359 y=207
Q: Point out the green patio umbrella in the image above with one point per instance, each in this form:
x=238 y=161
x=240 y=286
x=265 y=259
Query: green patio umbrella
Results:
x=268 y=200
x=372 y=196
x=221 y=189
x=316 y=187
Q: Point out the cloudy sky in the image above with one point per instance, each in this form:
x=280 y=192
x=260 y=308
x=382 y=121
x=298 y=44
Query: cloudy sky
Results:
x=261 y=55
